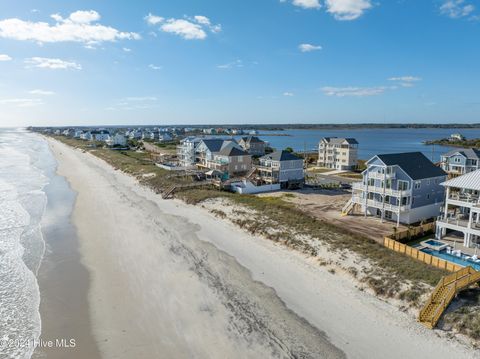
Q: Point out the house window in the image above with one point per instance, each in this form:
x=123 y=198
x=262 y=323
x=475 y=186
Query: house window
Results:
x=402 y=185
x=371 y=182
x=388 y=184
x=240 y=159
x=418 y=184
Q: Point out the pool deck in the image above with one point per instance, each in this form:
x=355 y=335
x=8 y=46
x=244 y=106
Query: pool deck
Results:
x=457 y=243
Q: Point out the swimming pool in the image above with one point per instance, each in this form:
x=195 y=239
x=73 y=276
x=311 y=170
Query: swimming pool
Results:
x=433 y=242
x=451 y=258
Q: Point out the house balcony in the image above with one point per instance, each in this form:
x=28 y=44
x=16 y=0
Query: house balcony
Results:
x=359 y=186
x=380 y=204
x=381 y=176
x=217 y=165
x=459 y=224
x=464 y=200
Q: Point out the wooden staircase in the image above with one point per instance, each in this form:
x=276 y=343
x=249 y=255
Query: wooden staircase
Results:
x=443 y=294
x=348 y=208
x=169 y=192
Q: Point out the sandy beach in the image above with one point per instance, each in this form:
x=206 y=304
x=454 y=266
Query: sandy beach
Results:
x=171 y=280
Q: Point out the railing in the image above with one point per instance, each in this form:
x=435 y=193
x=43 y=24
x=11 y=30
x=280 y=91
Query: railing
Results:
x=463 y=223
x=464 y=198
x=387 y=191
x=381 y=176
x=387 y=206
x=444 y=293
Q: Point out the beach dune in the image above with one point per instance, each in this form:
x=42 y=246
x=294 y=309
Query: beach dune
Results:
x=171 y=280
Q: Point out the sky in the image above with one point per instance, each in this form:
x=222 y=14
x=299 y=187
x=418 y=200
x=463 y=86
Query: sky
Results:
x=238 y=62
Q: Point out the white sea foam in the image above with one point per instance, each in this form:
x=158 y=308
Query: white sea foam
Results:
x=22 y=204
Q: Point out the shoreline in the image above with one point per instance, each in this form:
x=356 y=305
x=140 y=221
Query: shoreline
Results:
x=329 y=307
x=63 y=280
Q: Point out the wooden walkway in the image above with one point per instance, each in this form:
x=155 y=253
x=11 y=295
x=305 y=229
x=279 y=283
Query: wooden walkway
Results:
x=443 y=294
x=169 y=192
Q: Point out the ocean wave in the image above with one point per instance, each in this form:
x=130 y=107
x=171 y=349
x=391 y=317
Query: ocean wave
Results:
x=23 y=203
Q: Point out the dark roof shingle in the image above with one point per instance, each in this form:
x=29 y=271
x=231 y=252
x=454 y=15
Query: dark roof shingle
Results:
x=415 y=164
x=281 y=156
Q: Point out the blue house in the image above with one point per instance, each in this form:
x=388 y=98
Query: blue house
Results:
x=401 y=187
x=461 y=161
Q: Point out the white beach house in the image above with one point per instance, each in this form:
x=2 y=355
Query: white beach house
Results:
x=338 y=153
x=462 y=208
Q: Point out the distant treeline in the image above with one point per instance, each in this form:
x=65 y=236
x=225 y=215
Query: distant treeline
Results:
x=473 y=143
x=309 y=126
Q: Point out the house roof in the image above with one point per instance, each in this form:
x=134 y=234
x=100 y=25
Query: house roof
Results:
x=217 y=144
x=340 y=140
x=281 y=156
x=415 y=164
x=252 y=139
x=470 y=180
x=232 y=151
x=470 y=153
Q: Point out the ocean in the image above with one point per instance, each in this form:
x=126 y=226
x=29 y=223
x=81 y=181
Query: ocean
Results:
x=26 y=166
x=371 y=141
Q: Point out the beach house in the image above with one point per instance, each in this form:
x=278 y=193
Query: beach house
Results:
x=231 y=160
x=253 y=145
x=338 y=153
x=282 y=167
x=224 y=155
x=100 y=135
x=118 y=139
x=460 y=161
x=186 y=151
x=461 y=214
x=401 y=187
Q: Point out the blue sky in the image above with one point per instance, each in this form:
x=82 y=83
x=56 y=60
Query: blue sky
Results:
x=250 y=61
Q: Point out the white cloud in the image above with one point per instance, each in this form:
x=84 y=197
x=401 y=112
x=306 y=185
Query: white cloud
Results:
x=140 y=99
x=53 y=64
x=202 y=19
x=405 y=81
x=4 y=57
x=153 y=19
x=353 y=91
x=184 y=28
x=190 y=28
x=78 y=27
x=456 y=9
x=308 y=47
x=155 y=67
x=84 y=17
x=288 y=94
x=347 y=9
x=22 y=102
x=229 y=65
x=41 y=92
x=126 y=49
x=307 y=4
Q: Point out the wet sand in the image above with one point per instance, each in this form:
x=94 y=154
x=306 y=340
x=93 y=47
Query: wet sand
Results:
x=64 y=282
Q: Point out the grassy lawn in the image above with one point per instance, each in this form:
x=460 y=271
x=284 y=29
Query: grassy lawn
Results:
x=319 y=170
x=353 y=175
